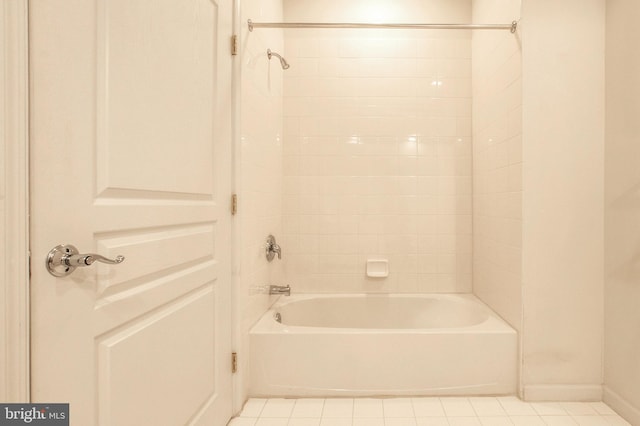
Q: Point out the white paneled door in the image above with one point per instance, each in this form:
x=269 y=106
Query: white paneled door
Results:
x=130 y=155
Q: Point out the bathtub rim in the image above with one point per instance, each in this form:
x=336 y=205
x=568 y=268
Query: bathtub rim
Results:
x=493 y=324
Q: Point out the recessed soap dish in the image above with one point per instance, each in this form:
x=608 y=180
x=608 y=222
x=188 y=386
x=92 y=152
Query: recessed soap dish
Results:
x=377 y=268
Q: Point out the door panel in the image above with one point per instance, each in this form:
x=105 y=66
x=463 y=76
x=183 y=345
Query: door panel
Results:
x=151 y=342
x=155 y=97
x=131 y=156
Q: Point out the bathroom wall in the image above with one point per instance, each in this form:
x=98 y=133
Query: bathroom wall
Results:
x=258 y=176
x=622 y=210
x=497 y=160
x=563 y=168
x=377 y=148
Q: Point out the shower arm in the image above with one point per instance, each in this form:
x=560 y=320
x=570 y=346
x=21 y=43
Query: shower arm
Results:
x=270 y=53
x=283 y=62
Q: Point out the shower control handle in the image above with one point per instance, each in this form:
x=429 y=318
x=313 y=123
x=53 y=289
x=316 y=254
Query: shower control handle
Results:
x=272 y=248
x=63 y=259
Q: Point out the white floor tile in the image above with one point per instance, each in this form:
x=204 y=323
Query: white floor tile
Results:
x=265 y=421
x=303 y=422
x=617 y=421
x=464 y=421
x=591 y=420
x=337 y=408
x=427 y=407
x=558 y=421
x=398 y=407
x=515 y=407
x=549 y=409
x=308 y=408
x=486 y=407
x=253 y=407
x=495 y=421
x=397 y=421
x=457 y=407
x=602 y=409
x=579 y=408
x=432 y=421
x=426 y=411
x=369 y=421
x=243 y=421
x=336 y=422
x=278 y=408
x=527 y=420
x=367 y=408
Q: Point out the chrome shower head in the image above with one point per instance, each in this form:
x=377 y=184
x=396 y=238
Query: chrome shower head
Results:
x=283 y=62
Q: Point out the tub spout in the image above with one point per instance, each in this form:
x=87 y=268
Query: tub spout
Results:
x=280 y=289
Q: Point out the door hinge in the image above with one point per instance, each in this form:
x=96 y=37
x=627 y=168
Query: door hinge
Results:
x=234 y=45
x=234 y=204
x=234 y=362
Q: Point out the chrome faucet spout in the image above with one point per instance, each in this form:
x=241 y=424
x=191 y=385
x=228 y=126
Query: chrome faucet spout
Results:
x=280 y=289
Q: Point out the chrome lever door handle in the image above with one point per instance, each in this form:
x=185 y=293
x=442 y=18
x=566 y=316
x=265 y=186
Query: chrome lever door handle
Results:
x=88 y=259
x=63 y=259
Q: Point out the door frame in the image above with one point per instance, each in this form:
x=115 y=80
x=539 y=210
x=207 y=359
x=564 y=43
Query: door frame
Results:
x=14 y=286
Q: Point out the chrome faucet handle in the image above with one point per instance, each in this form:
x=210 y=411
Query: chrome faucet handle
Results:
x=276 y=248
x=272 y=248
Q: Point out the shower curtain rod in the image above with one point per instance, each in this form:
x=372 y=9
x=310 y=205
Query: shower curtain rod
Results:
x=511 y=27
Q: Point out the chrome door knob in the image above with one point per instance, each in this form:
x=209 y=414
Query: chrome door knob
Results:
x=63 y=259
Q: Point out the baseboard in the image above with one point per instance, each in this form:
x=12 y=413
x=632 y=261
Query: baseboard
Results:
x=563 y=393
x=622 y=406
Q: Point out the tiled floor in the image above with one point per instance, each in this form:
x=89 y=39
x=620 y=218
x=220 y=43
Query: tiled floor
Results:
x=484 y=411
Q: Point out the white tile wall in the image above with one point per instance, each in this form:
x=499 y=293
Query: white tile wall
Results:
x=497 y=161
x=377 y=156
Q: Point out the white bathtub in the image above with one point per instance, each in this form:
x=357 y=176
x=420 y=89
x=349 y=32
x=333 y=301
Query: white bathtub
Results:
x=367 y=345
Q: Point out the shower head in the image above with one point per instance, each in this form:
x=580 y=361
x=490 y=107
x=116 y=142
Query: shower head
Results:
x=283 y=62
